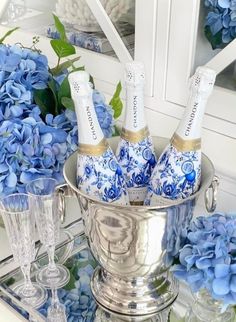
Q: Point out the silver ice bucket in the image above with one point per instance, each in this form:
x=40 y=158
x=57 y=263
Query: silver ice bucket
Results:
x=136 y=245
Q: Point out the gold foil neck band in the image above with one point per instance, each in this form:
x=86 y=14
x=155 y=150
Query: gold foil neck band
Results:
x=134 y=137
x=93 y=150
x=136 y=203
x=185 y=145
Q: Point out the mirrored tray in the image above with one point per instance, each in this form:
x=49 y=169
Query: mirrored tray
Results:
x=77 y=297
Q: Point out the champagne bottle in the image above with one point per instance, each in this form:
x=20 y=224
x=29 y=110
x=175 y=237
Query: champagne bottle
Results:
x=135 y=152
x=178 y=170
x=98 y=172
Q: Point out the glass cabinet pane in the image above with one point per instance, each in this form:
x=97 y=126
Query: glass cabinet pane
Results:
x=216 y=29
x=122 y=14
x=81 y=26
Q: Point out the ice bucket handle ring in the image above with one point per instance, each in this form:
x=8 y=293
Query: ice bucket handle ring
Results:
x=63 y=190
x=211 y=195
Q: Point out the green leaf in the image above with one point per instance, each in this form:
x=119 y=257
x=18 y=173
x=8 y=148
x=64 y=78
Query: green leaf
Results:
x=117 y=132
x=161 y=285
x=62 y=48
x=45 y=100
x=60 y=28
x=75 y=69
x=91 y=80
x=71 y=283
x=116 y=102
x=215 y=40
x=74 y=269
x=10 y=281
x=8 y=33
x=64 y=90
x=53 y=87
x=67 y=64
x=67 y=102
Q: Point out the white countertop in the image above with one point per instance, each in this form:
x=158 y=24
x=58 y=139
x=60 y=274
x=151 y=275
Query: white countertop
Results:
x=7 y=313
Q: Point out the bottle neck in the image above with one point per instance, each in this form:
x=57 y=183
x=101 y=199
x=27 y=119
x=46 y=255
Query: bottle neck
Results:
x=134 y=116
x=190 y=126
x=89 y=130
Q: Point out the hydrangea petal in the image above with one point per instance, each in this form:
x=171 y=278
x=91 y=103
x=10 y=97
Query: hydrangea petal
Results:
x=46 y=138
x=11 y=62
x=194 y=276
x=3 y=167
x=233 y=283
x=221 y=270
x=224 y=3
x=28 y=149
x=29 y=120
x=221 y=286
x=185 y=252
x=11 y=180
x=203 y=263
x=16 y=110
x=233 y=268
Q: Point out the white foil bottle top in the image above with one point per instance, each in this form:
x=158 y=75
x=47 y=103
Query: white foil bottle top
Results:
x=79 y=84
x=201 y=87
x=89 y=130
x=134 y=74
x=202 y=82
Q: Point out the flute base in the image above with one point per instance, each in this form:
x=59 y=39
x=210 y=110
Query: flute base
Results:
x=35 y=298
x=56 y=313
x=103 y=315
x=142 y=296
x=53 y=279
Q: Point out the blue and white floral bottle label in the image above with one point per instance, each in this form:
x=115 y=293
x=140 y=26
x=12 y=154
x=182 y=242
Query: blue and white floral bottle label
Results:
x=137 y=161
x=101 y=177
x=177 y=175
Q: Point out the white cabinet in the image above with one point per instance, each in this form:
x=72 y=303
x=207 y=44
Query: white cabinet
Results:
x=105 y=68
x=188 y=48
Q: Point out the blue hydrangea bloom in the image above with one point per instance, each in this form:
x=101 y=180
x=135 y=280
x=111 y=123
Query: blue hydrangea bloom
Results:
x=208 y=259
x=221 y=18
x=104 y=113
x=32 y=146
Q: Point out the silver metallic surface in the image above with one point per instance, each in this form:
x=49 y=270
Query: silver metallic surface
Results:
x=135 y=245
x=105 y=316
x=211 y=195
x=63 y=190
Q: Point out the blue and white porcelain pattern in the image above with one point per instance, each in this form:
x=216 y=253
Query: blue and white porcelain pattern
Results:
x=177 y=175
x=137 y=161
x=101 y=177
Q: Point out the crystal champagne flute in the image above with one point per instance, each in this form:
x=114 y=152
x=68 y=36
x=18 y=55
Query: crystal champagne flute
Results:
x=56 y=311
x=45 y=204
x=20 y=227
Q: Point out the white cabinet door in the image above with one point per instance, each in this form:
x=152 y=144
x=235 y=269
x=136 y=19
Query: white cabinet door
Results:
x=188 y=48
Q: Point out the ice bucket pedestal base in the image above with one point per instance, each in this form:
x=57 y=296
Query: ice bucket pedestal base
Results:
x=134 y=297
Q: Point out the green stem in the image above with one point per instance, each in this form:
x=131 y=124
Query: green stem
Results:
x=58 y=62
